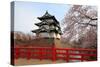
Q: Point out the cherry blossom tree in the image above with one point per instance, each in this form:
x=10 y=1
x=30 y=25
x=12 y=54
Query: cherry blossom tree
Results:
x=80 y=26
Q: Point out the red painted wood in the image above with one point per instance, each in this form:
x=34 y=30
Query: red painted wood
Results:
x=54 y=54
x=28 y=53
x=42 y=52
x=16 y=53
x=67 y=56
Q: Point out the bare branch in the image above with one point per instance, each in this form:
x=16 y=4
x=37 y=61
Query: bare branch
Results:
x=87 y=24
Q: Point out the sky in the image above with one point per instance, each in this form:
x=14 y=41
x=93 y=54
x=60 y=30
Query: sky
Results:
x=26 y=13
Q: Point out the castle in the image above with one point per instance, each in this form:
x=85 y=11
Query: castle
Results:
x=49 y=30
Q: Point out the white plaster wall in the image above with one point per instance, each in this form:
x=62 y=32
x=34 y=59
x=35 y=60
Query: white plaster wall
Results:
x=49 y=20
x=52 y=34
x=46 y=26
x=52 y=26
x=58 y=36
x=44 y=34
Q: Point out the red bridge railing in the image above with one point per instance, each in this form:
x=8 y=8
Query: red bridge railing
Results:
x=54 y=54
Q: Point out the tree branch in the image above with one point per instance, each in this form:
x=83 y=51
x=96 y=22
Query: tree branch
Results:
x=87 y=24
x=88 y=16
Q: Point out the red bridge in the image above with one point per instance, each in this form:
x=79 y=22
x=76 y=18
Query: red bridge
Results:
x=56 y=53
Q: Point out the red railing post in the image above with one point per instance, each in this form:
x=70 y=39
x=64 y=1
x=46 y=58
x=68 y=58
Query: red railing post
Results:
x=54 y=54
x=82 y=57
x=67 y=56
x=28 y=53
x=41 y=53
x=17 y=53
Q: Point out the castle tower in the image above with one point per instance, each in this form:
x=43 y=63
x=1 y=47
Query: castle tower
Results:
x=49 y=28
